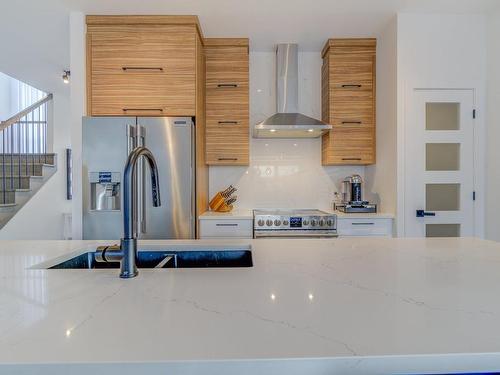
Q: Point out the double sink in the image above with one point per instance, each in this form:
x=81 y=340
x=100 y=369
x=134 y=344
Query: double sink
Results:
x=163 y=258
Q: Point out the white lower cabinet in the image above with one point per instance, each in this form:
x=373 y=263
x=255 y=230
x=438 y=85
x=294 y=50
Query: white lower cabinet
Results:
x=226 y=228
x=364 y=227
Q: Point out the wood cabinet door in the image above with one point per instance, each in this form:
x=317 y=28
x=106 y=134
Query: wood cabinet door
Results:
x=348 y=100
x=227 y=84
x=142 y=70
x=349 y=146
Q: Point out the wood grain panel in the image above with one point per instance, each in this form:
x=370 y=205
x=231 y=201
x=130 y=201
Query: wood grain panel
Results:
x=141 y=70
x=227 y=84
x=348 y=101
x=352 y=73
x=227 y=145
x=351 y=146
x=95 y=21
x=200 y=128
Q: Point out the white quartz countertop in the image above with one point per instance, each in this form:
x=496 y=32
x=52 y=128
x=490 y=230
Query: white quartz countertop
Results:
x=236 y=214
x=324 y=306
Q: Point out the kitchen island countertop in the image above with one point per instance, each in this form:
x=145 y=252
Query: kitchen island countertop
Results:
x=337 y=306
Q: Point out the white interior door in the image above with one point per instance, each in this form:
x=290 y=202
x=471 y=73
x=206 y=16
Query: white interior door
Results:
x=439 y=164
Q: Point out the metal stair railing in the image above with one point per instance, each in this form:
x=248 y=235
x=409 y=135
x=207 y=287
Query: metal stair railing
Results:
x=23 y=144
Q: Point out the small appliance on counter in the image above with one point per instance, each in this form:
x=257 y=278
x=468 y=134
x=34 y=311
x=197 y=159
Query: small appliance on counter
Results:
x=352 y=197
x=294 y=224
x=223 y=200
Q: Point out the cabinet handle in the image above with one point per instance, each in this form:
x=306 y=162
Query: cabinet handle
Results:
x=226 y=225
x=363 y=223
x=228 y=122
x=142 y=109
x=351 y=158
x=132 y=68
x=351 y=86
x=352 y=122
x=221 y=85
x=227 y=159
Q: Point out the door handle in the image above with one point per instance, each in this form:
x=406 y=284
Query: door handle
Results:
x=422 y=213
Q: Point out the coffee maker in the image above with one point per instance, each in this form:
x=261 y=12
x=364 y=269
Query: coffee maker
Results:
x=352 y=197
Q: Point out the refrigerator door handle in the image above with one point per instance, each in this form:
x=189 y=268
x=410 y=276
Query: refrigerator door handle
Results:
x=141 y=173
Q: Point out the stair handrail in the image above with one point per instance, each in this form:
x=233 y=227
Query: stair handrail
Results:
x=17 y=117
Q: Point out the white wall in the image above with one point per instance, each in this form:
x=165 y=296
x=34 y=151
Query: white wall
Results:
x=5 y=97
x=493 y=128
x=283 y=173
x=78 y=100
x=441 y=51
x=381 y=177
x=42 y=217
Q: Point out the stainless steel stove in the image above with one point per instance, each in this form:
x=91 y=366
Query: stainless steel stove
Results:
x=294 y=223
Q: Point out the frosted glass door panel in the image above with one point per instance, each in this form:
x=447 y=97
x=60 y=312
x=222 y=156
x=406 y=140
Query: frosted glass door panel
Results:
x=442 y=197
x=442 y=230
x=442 y=116
x=442 y=156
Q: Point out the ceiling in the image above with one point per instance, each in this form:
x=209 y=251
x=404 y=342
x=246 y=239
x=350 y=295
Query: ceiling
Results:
x=34 y=33
x=267 y=22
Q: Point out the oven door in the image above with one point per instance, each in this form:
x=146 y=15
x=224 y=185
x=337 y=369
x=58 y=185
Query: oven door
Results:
x=295 y=234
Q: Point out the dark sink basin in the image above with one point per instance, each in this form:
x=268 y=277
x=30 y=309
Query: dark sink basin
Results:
x=167 y=259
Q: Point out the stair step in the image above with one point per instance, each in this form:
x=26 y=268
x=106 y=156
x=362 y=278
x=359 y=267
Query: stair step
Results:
x=9 y=183
x=15 y=170
x=8 y=197
x=30 y=158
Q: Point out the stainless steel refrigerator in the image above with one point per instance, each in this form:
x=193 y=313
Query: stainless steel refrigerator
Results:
x=107 y=141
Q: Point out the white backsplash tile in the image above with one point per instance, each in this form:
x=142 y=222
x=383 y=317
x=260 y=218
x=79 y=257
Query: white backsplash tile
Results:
x=283 y=173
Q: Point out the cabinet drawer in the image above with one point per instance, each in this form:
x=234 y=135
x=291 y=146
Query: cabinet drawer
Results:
x=376 y=227
x=350 y=146
x=352 y=110
x=352 y=73
x=142 y=70
x=222 y=95
x=143 y=94
x=231 y=120
x=226 y=228
x=127 y=49
x=227 y=147
x=227 y=63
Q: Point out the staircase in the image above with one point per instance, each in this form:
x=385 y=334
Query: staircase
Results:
x=25 y=164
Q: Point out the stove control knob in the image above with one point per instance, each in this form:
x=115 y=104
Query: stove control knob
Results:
x=277 y=222
x=313 y=223
x=260 y=222
x=321 y=222
x=269 y=223
x=285 y=222
x=329 y=222
x=305 y=222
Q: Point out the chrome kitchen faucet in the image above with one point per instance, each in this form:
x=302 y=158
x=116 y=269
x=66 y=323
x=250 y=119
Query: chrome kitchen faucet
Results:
x=126 y=254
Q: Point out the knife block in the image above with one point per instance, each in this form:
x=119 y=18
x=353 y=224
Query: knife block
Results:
x=218 y=204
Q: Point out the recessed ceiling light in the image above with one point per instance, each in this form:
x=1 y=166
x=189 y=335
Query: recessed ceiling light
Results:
x=310 y=130
x=272 y=130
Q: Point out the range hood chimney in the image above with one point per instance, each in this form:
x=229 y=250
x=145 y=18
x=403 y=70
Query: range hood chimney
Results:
x=287 y=122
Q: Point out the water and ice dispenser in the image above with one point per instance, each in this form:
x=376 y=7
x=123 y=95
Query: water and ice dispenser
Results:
x=105 y=191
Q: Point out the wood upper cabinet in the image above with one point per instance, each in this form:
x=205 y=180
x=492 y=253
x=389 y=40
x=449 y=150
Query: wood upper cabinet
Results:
x=348 y=101
x=142 y=65
x=227 y=91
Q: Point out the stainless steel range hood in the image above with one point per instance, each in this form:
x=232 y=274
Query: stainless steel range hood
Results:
x=288 y=123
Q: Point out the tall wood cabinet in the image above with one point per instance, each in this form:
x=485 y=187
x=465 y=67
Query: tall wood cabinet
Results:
x=150 y=66
x=227 y=90
x=348 y=101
